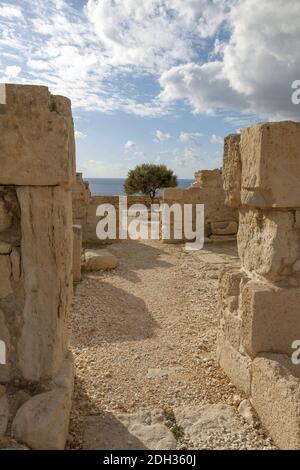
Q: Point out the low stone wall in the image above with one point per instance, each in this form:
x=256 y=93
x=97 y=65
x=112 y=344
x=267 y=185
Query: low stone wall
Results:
x=37 y=161
x=81 y=196
x=85 y=208
x=221 y=221
x=259 y=304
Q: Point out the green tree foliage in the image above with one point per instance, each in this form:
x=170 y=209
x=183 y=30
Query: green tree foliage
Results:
x=148 y=178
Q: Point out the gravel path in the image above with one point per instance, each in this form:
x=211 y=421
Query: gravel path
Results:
x=144 y=335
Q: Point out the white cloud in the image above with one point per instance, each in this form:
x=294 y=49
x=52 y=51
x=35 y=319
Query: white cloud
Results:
x=152 y=34
x=92 y=54
x=252 y=76
x=129 y=145
x=10 y=11
x=202 y=86
x=217 y=139
x=80 y=135
x=190 y=137
x=12 y=71
x=161 y=136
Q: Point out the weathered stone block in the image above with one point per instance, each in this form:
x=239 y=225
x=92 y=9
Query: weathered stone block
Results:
x=4 y=414
x=5 y=273
x=174 y=194
x=99 y=259
x=270 y=155
x=5 y=248
x=230 y=327
x=229 y=288
x=270 y=318
x=37 y=135
x=232 y=170
x=235 y=364
x=43 y=421
x=276 y=398
x=268 y=242
x=5 y=217
x=15 y=260
x=47 y=274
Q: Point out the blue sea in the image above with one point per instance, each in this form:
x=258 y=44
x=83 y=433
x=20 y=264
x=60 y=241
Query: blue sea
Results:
x=114 y=186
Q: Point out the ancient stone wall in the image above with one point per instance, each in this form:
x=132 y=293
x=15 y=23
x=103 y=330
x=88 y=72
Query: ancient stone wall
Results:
x=221 y=221
x=81 y=196
x=85 y=210
x=37 y=171
x=259 y=304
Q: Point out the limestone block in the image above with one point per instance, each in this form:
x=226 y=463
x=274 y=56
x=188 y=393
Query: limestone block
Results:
x=231 y=328
x=39 y=129
x=5 y=273
x=276 y=398
x=77 y=248
x=270 y=155
x=227 y=227
x=209 y=178
x=230 y=280
x=65 y=377
x=5 y=217
x=4 y=415
x=15 y=260
x=99 y=259
x=270 y=318
x=48 y=282
x=174 y=194
x=17 y=400
x=235 y=364
x=232 y=170
x=5 y=248
x=297 y=220
x=42 y=422
x=268 y=242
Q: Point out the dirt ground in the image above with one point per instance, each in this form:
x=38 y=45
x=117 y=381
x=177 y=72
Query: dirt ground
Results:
x=144 y=335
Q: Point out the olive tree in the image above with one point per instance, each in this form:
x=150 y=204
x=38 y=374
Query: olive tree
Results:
x=148 y=178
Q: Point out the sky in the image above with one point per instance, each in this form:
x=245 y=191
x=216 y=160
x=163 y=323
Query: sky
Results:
x=158 y=81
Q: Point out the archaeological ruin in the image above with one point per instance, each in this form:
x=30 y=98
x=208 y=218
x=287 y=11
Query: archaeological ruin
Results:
x=48 y=221
x=37 y=161
x=220 y=220
x=259 y=304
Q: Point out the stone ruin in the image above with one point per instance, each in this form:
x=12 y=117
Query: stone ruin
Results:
x=220 y=220
x=37 y=171
x=259 y=304
x=85 y=208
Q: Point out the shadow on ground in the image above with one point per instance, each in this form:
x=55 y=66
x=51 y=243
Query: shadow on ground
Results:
x=91 y=429
x=135 y=255
x=113 y=313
